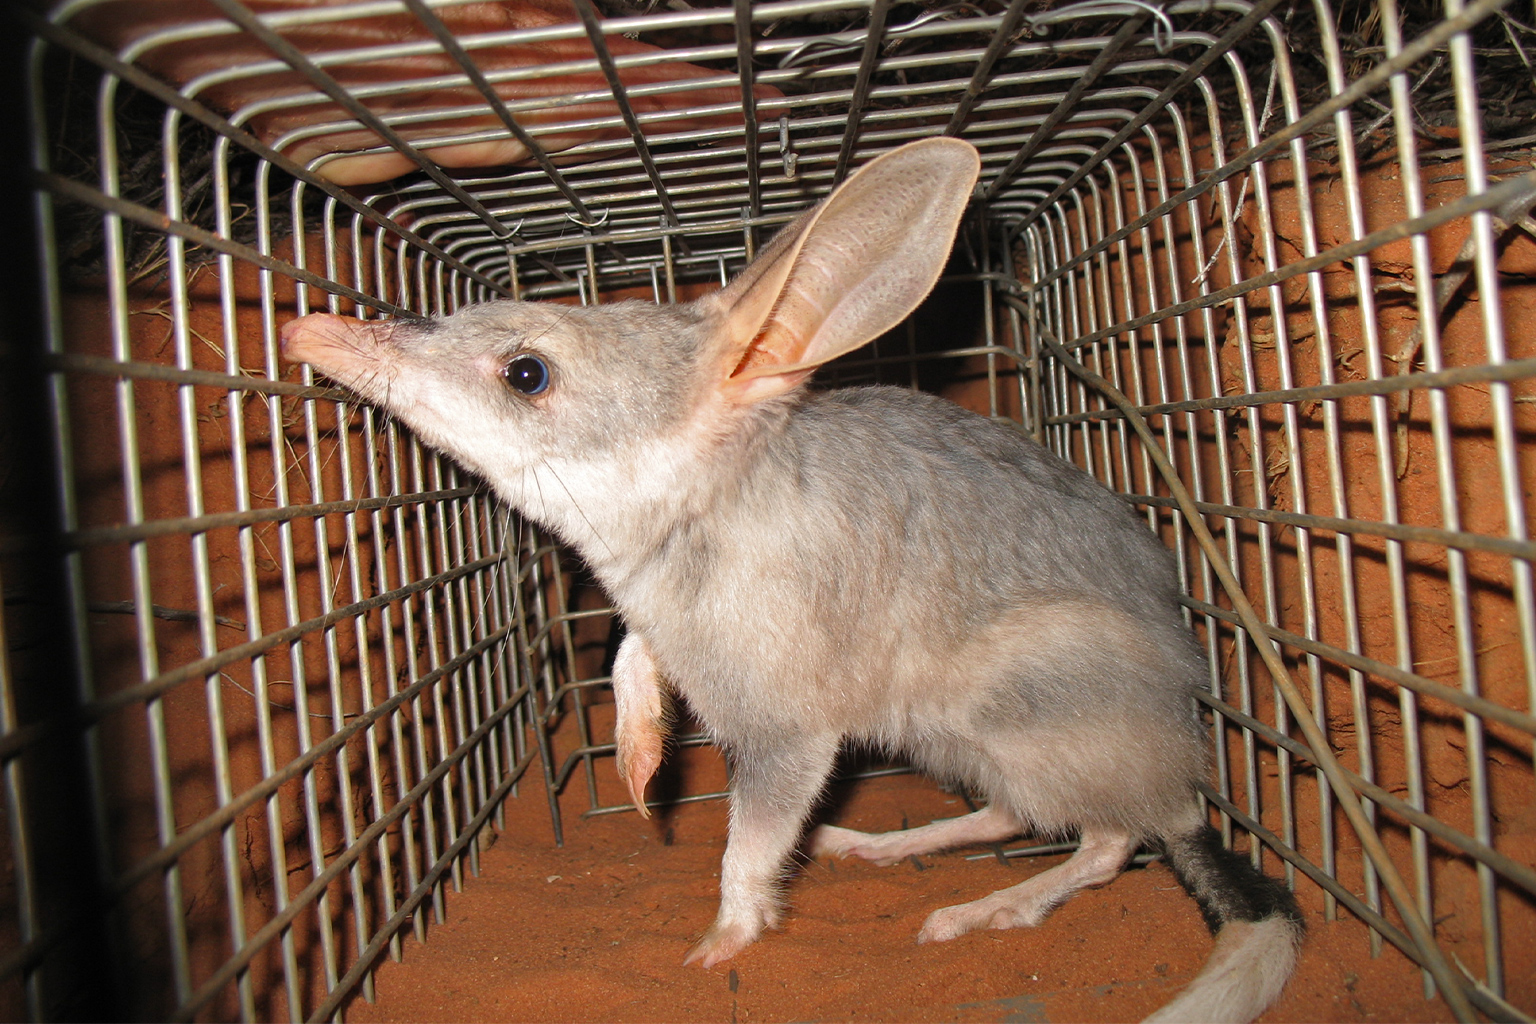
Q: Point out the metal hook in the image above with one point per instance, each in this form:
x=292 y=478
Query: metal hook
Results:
x=1162 y=25
x=789 y=156
x=1162 y=43
x=587 y=224
x=854 y=42
x=935 y=15
x=816 y=47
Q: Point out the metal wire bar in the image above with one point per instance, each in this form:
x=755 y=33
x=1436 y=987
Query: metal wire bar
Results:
x=1373 y=80
x=1391 y=673
x=267 y=757
x=1428 y=380
x=742 y=11
x=82 y=684
x=1428 y=331
x=1422 y=937
x=1521 y=874
x=1288 y=444
x=236 y=380
x=377 y=799
x=131 y=456
x=366 y=960
x=589 y=20
x=1003 y=39
x=157 y=685
x=189 y=1008
x=1451 y=539
x=201 y=571
x=33 y=940
x=144 y=82
x=399 y=751
x=1396 y=582
x=873 y=39
x=73 y=190
x=242 y=16
x=333 y=681
x=1216 y=51
x=1494 y=197
x=1516 y=515
x=461 y=57
x=97 y=536
x=1069 y=104
x=1378 y=924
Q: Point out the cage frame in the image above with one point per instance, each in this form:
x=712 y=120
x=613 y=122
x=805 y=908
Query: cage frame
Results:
x=661 y=207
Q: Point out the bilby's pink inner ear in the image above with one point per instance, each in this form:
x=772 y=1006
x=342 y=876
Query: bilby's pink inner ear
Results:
x=848 y=270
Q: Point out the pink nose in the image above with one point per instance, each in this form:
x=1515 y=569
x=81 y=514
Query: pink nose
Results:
x=308 y=338
x=331 y=343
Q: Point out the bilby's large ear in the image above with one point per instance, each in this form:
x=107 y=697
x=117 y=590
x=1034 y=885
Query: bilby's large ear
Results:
x=847 y=271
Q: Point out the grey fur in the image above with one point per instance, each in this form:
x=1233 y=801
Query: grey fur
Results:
x=811 y=569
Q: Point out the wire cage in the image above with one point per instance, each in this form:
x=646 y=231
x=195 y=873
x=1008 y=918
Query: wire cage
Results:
x=271 y=667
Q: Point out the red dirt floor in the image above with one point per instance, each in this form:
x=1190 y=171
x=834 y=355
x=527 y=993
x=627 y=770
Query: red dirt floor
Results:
x=597 y=930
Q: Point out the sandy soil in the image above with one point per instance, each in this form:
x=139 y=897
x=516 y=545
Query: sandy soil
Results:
x=597 y=931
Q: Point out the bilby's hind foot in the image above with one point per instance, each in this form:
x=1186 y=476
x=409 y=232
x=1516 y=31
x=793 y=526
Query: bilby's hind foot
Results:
x=1006 y=908
x=988 y=825
x=832 y=841
x=1100 y=857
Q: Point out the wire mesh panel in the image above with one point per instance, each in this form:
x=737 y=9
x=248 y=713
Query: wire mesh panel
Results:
x=1261 y=268
x=1287 y=302
x=289 y=624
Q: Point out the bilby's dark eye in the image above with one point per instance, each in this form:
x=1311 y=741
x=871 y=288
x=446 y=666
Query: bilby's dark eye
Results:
x=527 y=375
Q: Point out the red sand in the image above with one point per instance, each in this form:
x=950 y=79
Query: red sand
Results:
x=597 y=931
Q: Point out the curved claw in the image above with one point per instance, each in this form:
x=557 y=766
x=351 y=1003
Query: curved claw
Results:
x=721 y=942
x=640 y=731
x=639 y=755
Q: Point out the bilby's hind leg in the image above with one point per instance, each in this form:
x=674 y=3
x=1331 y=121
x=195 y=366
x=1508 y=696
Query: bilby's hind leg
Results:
x=1100 y=857
x=988 y=825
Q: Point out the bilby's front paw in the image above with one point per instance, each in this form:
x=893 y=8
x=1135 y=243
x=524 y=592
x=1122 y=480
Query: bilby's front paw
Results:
x=723 y=940
x=639 y=748
x=640 y=726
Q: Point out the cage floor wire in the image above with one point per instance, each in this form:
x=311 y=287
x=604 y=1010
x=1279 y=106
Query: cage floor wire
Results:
x=275 y=675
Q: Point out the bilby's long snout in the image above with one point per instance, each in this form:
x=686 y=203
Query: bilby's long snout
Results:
x=334 y=343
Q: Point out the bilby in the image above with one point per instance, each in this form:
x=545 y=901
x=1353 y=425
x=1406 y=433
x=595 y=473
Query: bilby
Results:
x=868 y=565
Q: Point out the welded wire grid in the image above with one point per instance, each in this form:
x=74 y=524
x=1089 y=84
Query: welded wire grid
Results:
x=306 y=658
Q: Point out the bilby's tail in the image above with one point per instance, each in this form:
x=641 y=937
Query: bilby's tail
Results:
x=1257 y=925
